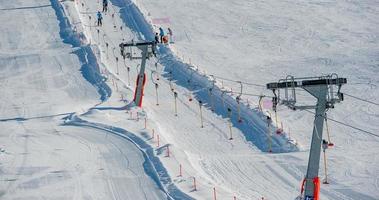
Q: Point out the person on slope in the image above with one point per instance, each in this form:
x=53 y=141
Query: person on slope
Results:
x=170 y=34
x=99 y=19
x=156 y=38
x=161 y=33
x=105 y=5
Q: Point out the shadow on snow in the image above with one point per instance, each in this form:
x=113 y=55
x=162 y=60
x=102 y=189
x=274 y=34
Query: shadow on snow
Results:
x=253 y=126
x=90 y=68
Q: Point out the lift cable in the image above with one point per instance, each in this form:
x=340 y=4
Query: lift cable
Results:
x=348 y=125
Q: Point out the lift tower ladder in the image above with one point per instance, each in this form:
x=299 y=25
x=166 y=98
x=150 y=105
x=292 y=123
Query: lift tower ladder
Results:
x=148 y=50
x=326 y=90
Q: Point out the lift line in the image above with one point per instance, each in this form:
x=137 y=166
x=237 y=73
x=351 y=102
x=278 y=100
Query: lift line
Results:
x=148 y=50
x=326 y=89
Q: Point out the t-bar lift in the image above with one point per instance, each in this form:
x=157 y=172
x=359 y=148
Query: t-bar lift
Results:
x=148 y=50
x=326 y=89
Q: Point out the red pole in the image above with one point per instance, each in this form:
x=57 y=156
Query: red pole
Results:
x=214 y=194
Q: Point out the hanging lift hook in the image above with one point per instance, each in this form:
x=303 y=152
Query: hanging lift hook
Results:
x=137 y=68
x=238 y=98
x=170 y=81
x=213 y=83
x=152 y=77
x=274 y=100
x=260 y=102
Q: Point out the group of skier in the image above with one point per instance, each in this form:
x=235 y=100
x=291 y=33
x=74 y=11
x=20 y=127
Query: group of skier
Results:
x=162 y=37
x=99 y=15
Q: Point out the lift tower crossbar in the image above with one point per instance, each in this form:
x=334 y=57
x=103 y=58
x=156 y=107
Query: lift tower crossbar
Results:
x=326 y=89
x=148 y=50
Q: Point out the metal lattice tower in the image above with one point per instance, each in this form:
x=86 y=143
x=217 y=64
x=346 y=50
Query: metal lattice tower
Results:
x=148 y=50
x=326 y=89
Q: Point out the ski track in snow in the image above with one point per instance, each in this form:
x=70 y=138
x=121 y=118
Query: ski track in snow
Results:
x=235 y=167
x=32 y=166
x=182 y=74
x=113 y=39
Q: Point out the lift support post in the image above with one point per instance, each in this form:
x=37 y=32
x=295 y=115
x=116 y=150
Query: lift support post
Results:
x=322 y=89
x=148 y=50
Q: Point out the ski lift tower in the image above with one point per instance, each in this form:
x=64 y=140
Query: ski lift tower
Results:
x=326 y=90
x=148 y=50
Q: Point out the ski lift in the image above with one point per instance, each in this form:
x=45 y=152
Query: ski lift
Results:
x=170 y=81
x=156 y=69
x=189 y=81
x=330 y=143
x=289 y=92
x=320 y=88
x=127 y=49
x=275 y=101
x=154 y=77
x=333 y=97
x=222 y=97
x=260 y=102
x=238 y=99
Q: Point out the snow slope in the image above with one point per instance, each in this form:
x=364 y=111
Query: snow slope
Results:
x=263 y=41
x=204 y=155
x=107 y=142
x=45 y=76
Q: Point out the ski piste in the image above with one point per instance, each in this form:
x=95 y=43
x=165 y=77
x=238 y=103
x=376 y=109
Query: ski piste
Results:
x=190 y=132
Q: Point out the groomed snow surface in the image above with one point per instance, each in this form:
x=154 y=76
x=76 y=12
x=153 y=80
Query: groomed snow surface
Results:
x=69 y=129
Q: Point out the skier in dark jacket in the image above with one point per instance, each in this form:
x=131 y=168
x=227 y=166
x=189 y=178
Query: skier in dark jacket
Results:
x=161 y=33
x=99 y=19
x=156 y=38
x=105 y=5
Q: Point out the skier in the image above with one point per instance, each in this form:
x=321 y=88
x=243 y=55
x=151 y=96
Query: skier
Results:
x=105 y=5
x=170 y=34
x=99 y=19
x=165 y=39
x=156 y=38
x=161 y=33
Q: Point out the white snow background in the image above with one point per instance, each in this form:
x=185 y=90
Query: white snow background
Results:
x=68 y=128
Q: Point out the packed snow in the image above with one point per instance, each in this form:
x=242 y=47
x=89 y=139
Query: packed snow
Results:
x=69 y=128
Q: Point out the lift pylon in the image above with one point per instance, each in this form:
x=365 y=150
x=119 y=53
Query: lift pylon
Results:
x=323 y=89
x=148 y=50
